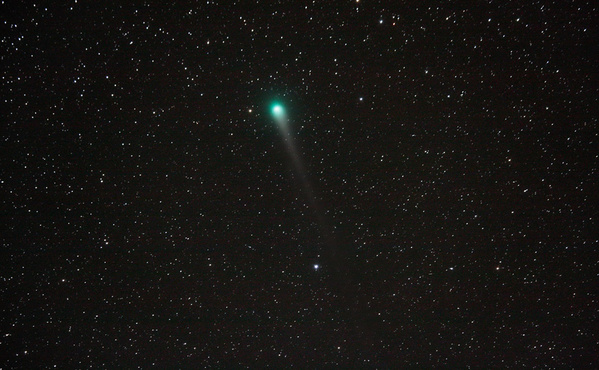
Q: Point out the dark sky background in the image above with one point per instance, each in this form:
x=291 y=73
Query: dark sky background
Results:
x=151 y=215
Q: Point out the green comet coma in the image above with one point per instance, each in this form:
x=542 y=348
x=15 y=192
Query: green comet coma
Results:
x=277 y=110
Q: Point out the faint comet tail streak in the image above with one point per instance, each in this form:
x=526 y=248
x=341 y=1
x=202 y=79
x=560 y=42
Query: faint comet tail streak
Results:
x=283 y=125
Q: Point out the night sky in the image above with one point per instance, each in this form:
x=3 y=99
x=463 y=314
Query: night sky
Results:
x=431 y=200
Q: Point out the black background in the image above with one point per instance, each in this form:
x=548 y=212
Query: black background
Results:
x=151 y=214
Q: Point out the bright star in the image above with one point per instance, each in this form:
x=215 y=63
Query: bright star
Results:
x=316 y=267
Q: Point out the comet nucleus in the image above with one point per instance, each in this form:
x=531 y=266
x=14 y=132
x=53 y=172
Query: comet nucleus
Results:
x=278 y=111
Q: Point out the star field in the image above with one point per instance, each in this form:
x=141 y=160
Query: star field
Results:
x=444 y=214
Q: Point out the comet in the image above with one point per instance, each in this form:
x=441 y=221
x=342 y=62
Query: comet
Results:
x=279 y=115
x=278 y=111
x=336 y=259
